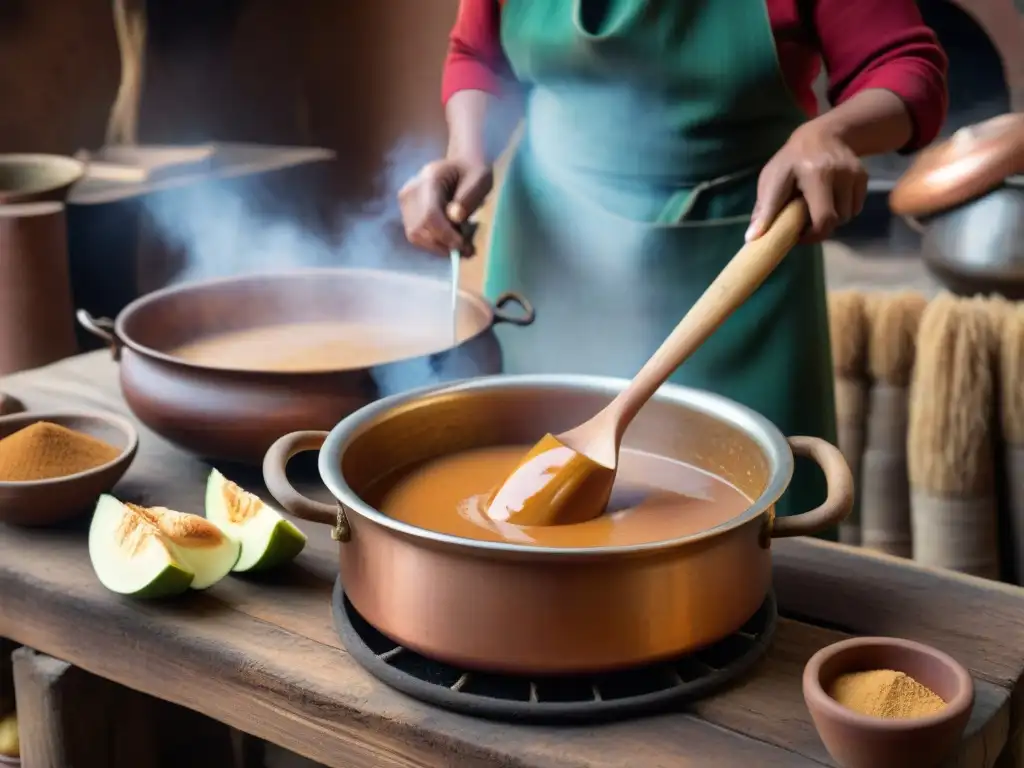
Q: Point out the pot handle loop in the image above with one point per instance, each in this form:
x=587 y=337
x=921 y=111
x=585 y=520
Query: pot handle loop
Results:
x=102 y=328
x=839 y=501
x=275 y=464
x=527 y=316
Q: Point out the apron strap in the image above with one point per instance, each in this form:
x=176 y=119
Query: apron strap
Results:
x=681 y=205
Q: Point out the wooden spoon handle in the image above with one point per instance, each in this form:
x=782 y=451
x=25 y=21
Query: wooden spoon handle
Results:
x=734 y=285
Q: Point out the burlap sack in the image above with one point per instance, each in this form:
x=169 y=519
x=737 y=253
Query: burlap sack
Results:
x=951 y=439
x=885 y=496
x=848 y=331
x=958 y=534
x=893 y=320
x=851 y=408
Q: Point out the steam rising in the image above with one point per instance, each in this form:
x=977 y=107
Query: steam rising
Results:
x=218 y=229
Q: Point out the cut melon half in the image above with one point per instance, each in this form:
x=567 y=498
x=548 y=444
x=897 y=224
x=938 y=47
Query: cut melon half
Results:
x=131 y=556
x=196 y=542
x=267 y=538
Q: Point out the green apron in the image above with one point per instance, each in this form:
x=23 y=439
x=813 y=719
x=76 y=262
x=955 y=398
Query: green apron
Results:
x=647 y=122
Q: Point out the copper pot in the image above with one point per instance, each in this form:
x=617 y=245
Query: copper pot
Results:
x=235 y=415
x=528 y=609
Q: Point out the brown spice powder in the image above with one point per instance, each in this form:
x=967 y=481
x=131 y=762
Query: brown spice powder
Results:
x=44 y=450
x=885 y=693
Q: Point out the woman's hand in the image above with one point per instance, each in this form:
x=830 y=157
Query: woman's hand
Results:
x=441 y=196
x=819 y=165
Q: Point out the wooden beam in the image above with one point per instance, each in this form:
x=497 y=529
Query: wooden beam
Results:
x=69 y=718
x=65 y=714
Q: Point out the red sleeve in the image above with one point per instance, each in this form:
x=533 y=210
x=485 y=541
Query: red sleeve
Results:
x=884 y=44
x=475 y=58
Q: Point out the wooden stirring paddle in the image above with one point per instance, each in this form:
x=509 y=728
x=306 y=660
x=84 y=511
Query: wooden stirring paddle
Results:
x=568 y=478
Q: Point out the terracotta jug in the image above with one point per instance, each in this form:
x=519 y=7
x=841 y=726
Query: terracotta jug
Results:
x=36 y=309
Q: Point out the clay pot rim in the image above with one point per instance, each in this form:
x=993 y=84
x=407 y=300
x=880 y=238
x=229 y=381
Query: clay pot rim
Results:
x=120 y=338
x=74 y=171
x=27 y=418
x=956 y=707
x=768 y=437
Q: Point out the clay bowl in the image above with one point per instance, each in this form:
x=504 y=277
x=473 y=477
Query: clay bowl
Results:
x=859 y=741
x=40 y=503
x=35 y=178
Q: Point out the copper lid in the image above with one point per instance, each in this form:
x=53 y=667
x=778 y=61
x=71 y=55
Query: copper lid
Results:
x=973 y=161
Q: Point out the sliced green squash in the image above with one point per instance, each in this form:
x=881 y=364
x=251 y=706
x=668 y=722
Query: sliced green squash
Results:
x=129 y=554
x=196 y=542
x=267 y=538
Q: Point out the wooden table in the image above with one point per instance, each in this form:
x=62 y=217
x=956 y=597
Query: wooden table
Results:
x=263 y=657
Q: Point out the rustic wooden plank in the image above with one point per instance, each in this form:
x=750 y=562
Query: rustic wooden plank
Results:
x=66 y=718
x=233 y=160
x=292 y=599
x=988 y=730
x=767 y=704
x=70 y=718
x=293 y=691
x=978 y=622
x=855 y=590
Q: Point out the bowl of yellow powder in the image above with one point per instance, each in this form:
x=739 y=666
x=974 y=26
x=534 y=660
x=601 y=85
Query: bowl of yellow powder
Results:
x=884 y=702
x=53 y=466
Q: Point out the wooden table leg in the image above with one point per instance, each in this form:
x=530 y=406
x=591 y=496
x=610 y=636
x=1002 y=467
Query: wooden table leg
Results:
x=1012 y=755
x=66 y=717
x=69 y=718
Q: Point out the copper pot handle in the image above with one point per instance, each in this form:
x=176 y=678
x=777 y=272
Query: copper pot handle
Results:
x=102 y=328
x=839 y=501
x=275 y=476
x=501 y=316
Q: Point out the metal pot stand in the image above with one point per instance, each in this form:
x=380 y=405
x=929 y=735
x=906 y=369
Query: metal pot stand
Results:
x=551 y=700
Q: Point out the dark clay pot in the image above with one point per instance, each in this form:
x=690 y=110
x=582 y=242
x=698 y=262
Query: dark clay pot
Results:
x=235 y=415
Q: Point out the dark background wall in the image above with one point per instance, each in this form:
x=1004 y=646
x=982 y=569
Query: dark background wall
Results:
x=351 y=76
x=360 y=77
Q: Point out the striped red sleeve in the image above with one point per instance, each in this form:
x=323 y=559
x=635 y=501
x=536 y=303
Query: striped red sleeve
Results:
x=475 y=58
x=884 y=44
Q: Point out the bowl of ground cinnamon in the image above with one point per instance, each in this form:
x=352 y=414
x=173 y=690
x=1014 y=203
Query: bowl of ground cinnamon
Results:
x=53 y=466
x=885 y=702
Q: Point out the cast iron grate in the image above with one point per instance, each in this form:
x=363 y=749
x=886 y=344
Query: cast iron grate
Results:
x=567 y=699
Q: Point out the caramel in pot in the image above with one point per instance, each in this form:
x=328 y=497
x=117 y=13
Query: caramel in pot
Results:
x=309 y=347
x=654 y=499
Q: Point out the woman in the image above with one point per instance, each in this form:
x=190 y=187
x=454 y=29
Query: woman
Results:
x=658 y=135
